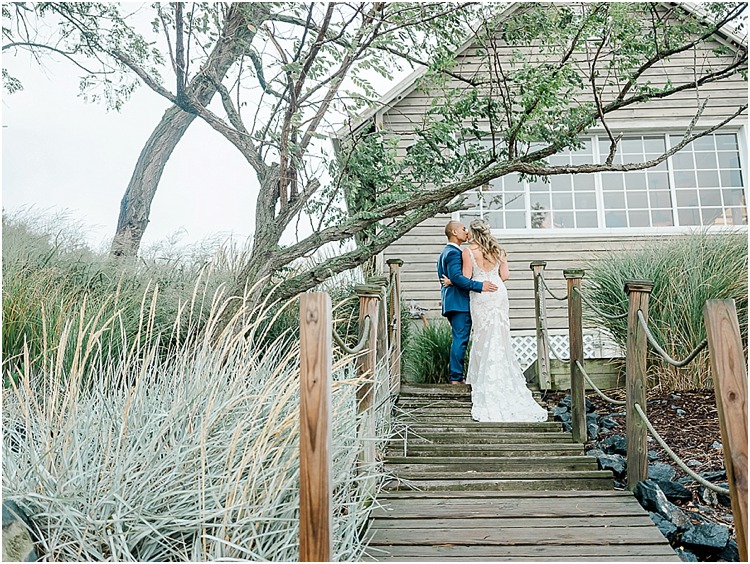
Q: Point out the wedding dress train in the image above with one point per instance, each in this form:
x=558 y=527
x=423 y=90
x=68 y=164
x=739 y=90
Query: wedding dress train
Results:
x=498 y=386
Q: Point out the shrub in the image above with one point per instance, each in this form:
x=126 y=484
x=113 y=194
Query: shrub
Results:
x=686 y=270
x=189 y=456
x=427 y=354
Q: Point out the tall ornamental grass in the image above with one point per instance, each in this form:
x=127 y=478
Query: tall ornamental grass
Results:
x=427 y=354
x=185 y=456
x=686 y=271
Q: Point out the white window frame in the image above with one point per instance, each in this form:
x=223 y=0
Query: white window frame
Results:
x=739 y=130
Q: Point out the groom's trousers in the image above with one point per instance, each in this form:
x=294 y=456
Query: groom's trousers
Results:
x=461 y=325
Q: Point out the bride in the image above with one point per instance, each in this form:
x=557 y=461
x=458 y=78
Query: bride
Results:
x=498 y=386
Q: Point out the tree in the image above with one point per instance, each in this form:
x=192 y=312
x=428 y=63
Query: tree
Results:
x=589 y=61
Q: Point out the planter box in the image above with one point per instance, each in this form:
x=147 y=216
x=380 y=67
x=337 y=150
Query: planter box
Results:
x=606 y=373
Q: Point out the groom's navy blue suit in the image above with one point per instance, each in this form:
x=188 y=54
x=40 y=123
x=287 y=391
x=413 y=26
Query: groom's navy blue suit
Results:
x=455 y=300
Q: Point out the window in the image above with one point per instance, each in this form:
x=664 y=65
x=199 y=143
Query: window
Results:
x=701 y=185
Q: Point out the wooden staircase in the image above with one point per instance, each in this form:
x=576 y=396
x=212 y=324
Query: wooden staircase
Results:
x=462 y=490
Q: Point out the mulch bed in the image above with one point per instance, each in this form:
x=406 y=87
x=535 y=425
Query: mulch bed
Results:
x=688 y=422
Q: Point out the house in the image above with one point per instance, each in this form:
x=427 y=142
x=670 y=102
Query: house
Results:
x=569 y=219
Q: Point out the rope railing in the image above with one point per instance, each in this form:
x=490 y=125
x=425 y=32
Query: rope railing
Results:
x=596 y=309
x=359 y=347
x=596 y=389
x=663 y=353
x=677 y=460
x=554 y=297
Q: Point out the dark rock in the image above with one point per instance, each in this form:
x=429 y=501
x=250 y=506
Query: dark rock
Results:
x=713 y=498
x=664 y=525
x=693 y=462
x=674 y=396
x=594 y=452
x=566 y=401
x=592 y=418
x=680 y=412
x=661 y=472
x=649 y=495
x=614 y=462
x=590 y=407
x=716 y=445
x=730 y=553
x=675 y=491
x=653 y=455
x=686 y=555
x=615 y=444
x=567 y=426
x=564 y=417
x=607 y=422
x=711 y=476
x=592 y=430
x=706 y=538
x=559 y=410
x=674 y=407
x=17 y=543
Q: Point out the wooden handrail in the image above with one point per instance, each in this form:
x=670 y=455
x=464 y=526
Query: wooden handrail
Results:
x=729 y=374
x=635 y=381
x=575 y=338
x=394 y=327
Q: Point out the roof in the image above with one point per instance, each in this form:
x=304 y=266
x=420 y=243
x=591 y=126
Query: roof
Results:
x=409 y=83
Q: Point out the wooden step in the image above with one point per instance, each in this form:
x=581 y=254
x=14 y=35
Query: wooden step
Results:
x=470 y=427
x=405 y=466
x=413 y=438
x=488 y=450
x=505 y=481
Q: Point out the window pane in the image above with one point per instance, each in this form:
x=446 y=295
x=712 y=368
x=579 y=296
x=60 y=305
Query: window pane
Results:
x=637 y=200
x=731 y=178
x=586 y=219
x=563 y=219
x=726 y=141
x=512 y=182
x=687 y=198
x=654 y=144
x=540 y=201
x=614 y=200
x=658 y=181
x=729 y=160
x=660 y=166
x=708 y=179
x=583 y=182
x=515 y=220
x=684 y=179
x=705 y=160
x=710 y=197
x=515 y=201
x=736 y=216
x=712 y=216
x=635 y=181
x=541 y=220
x=639 y=219
x=660 y=199
x=493 y=201
x=585 y=200
x=705 y=143
x=558 y=159
x=682 y=160
x=733 y=197
x=615 y=219
x=560 y=183
x=495 y=219
x=612 y=181
x=688 y=217
x=661 y=218
x=632 y=146
x=538 y=186
x=562 y=201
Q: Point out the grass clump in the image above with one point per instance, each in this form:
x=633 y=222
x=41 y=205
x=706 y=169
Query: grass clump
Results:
x=427 y=354
x=189 y=456
x=686 y=271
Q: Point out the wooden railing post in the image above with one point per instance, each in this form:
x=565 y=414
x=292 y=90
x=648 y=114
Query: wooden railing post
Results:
x=315 y=501
x=369 y=297
x=394 y=333
x=575 y=336
x=635 y=381
x=540 y=310
x=729 y=375
x=382 y=328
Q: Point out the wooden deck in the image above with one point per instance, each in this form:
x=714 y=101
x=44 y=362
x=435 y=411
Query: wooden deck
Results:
x=462 y=490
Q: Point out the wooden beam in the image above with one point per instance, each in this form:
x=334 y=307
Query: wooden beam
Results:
x=575 y=335
x=540 y=311
x=315 y=518
x=635 y=381
x=369 y=297
x=729 y=374
x=395 y=326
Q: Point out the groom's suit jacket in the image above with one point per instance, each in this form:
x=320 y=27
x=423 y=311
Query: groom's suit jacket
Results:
x=455 y=297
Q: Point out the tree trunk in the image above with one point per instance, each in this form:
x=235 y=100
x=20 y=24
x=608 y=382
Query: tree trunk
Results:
x=136 y=203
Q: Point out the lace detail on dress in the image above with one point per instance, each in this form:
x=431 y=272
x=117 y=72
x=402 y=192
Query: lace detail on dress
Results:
x=498 y=386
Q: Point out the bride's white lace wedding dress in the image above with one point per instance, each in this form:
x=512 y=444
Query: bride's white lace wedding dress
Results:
x=498 y=386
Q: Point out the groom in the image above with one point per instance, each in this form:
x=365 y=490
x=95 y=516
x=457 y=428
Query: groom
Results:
x=455 y=298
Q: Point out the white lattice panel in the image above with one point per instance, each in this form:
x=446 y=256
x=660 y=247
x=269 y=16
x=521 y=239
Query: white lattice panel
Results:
x=596 y=344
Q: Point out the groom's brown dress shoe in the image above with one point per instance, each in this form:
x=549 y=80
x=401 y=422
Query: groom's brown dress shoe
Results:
x=458 y=381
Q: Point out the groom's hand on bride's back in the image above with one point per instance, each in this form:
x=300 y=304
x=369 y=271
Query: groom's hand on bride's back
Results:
x=488 y=286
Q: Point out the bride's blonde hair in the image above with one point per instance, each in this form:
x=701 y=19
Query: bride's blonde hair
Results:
x=482 y=235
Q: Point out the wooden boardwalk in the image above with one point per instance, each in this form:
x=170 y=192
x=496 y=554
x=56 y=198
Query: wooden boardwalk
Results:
x=463 y=490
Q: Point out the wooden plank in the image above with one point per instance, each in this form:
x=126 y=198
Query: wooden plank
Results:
x=531 y=496
x=546 y=558
x=369 y=297
x=634 y=552
x=528 y=504
x=575 y=337
x=504 y=523
x=730 y=381
x=315 y=520
x=591 y=535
